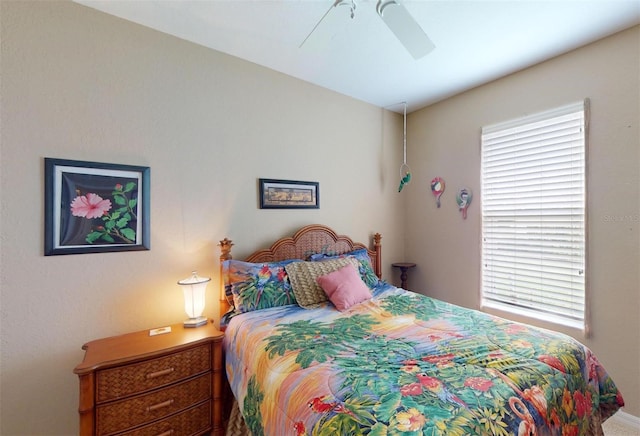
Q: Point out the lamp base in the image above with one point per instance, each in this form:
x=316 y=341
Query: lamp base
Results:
x=195 y=322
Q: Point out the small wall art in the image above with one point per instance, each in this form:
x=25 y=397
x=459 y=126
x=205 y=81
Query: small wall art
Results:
x=93 y=207
x=437 y=188
x=289 y=194
x=464 y=200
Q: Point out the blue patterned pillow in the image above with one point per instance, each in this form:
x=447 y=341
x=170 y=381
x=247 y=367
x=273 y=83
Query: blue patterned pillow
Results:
x=254 y=286
x=365 y=269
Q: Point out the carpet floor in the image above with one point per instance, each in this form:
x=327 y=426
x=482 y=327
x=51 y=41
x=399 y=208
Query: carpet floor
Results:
x=613 y=428
x=236 y=425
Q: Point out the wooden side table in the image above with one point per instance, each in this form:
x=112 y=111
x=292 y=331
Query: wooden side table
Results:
x=142 y=384
x=404 y=267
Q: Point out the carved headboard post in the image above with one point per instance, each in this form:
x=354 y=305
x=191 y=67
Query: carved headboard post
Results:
x=378 y=249
x=225 y=254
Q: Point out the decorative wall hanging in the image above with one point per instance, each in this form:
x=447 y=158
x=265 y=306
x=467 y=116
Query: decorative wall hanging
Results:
x=405 y=171
x=289 y=194
x=437 y=188
x=95 y=207
x=464 y=200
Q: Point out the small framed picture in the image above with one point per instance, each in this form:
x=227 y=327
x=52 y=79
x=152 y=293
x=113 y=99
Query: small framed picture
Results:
x=93 y=207
x=289 y=194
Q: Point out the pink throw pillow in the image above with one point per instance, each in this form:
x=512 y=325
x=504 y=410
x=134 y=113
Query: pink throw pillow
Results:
x=344 y=287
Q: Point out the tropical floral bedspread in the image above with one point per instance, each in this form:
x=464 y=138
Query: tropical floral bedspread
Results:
x=405 y=364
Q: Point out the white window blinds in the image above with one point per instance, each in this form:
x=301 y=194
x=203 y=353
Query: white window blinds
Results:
x=533 y=215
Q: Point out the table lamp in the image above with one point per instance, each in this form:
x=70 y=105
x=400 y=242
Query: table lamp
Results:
x=194 y=289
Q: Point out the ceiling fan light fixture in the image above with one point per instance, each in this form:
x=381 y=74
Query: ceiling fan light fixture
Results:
x=405 y=27
x=398 y=20
x=350 y=3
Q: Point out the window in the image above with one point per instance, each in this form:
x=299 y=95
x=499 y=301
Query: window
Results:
x=533 y=215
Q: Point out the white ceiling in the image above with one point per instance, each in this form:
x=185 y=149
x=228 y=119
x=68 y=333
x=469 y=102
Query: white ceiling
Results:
x=476 y=40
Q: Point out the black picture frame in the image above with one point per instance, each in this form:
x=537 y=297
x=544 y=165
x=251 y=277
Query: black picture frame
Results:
x=93 y=207
x=289 y=194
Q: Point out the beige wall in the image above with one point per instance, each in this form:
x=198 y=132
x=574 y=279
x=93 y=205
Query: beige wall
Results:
x=444 y=140
x=79 y=84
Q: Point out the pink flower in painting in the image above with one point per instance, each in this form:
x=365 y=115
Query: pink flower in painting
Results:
x=90 y=206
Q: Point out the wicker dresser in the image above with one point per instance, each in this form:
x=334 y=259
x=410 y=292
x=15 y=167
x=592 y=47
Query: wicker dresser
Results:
x=166 y=384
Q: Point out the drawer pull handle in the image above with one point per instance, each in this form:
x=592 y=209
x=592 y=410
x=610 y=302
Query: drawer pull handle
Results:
x=166 y=433
x=159 y=405
x=160 y=373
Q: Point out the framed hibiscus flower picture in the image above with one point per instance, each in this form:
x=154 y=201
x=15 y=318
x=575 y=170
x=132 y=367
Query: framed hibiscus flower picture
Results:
x=93 y=207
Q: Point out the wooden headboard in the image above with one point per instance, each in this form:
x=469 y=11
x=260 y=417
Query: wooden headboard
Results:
x=311 y=239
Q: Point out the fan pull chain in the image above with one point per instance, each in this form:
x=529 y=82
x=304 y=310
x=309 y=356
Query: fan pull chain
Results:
x=405 y=170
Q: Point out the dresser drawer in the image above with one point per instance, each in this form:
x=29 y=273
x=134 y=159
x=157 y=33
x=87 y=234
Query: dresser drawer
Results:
x=142 y=409
x=194 y=421
x=136 y=378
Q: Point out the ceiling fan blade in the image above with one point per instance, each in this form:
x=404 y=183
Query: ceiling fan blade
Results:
x=405 y=27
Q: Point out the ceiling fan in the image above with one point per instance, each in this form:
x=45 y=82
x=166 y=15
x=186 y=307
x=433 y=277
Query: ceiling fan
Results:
x=397 y=19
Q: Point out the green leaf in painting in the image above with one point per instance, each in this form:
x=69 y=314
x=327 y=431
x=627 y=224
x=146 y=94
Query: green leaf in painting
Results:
x=129 y=234
x=107 y=237
x=93 y=237
x=122 y=222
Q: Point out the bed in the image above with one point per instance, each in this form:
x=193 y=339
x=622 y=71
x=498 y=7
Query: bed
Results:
x=374 y=359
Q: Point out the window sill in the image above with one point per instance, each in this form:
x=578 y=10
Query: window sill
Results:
x=550 y=322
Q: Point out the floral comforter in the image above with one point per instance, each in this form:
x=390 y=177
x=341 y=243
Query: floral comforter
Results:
x=406 y=364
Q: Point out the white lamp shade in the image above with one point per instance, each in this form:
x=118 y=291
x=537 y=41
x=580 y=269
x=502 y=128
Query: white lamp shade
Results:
x=194 y=299
x=194 y=289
